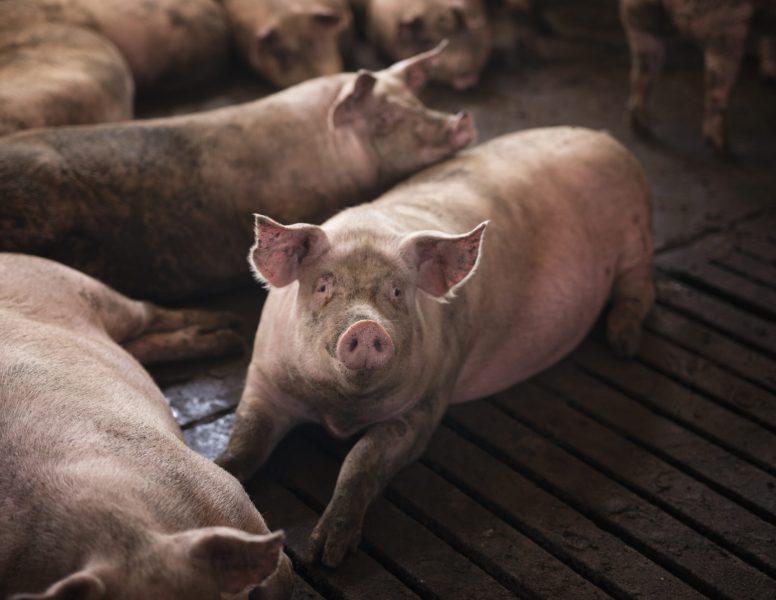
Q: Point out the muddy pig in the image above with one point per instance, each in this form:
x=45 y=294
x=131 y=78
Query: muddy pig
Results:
x=290 y=41
x=466 y=279
x=401 y=28
x=161 y=208
x=79 y=61
x=720 y=28
x=100 y=497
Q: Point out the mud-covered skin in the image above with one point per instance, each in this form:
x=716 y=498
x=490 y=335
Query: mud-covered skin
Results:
x=162 y=209
x=401 y=28
x=720 y=27
x=99 y=492
x=478 y=308
x=290 y=41
x=79 y=61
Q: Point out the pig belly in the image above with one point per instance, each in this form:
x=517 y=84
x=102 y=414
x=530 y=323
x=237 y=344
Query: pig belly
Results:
x=540 y=336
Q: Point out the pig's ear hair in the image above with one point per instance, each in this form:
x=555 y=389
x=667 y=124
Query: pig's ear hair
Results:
x=279 y=250
x=351 y=99
x=443 y=262
x=81 y=585
x=237 y=559
x=416 y=70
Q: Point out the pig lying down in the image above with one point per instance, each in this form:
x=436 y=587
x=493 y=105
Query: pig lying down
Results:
x=79 y=61
x=100 y=497
x=720 y=28
x=464 y=280
x=161 y=208
x=401 y=28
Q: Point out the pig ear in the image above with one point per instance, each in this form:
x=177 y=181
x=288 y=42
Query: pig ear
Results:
x=82 y=585
x=442 y=261
x=237 y=558
x=279 y=250
x=416 y=70
x=352 y=97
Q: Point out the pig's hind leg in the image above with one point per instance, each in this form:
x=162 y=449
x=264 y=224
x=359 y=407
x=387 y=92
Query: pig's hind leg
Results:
x=174 y=335
x=633 y=295
x=645 y=23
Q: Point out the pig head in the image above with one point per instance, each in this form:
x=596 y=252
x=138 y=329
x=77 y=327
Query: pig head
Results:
x=402 y=28
x=289 y=42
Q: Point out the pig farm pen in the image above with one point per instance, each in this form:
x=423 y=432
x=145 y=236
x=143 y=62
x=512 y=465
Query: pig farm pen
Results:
x=649 y=478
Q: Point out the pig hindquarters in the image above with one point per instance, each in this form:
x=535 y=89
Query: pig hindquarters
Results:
x=100 y=497
x=720 y=28
x=161 y=208
x=79 y=61
x=466 y=279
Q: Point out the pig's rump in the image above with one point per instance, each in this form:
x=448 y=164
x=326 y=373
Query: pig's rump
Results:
x=568 y=210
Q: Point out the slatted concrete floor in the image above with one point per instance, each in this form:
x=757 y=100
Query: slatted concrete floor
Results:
x=649 y=478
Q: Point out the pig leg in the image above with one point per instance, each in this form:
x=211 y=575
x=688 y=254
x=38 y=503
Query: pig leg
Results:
x=722 y=59
x=768 y=57
x=258 y=427
x=647 y=52
x=171 y=335
x=633 y=296
x=384 y=449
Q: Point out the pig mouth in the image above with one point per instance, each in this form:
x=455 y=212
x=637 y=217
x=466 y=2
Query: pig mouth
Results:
x=462 y=131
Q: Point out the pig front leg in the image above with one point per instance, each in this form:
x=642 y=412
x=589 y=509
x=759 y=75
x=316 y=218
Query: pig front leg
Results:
x=722 y=58
x=260 y=423
x=642 y=21
x=384 y=450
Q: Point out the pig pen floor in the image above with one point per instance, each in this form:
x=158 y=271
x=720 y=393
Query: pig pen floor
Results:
x=652 y=478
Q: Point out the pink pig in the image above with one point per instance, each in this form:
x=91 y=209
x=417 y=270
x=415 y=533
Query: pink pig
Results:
x=469 y=277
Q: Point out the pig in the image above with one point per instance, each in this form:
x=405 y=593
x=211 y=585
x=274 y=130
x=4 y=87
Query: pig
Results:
x=290 y=41
x=80 y=61
x=401 y=28
x=159 y=209
x=720 y=28
x=467 y=278
x=100 y=497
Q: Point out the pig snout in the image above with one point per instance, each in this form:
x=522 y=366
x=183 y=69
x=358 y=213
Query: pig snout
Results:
x=365 y=345
x=465 y=81
x=461 y=130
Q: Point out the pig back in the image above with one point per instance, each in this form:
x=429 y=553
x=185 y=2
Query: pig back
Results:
x=568 y=210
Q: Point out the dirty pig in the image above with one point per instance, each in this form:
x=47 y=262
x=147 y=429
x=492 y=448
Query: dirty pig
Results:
x=99 y=496
x=80 y=61
x=402 y=27
x=720 y=28
x=161 y=208
x=467 y=278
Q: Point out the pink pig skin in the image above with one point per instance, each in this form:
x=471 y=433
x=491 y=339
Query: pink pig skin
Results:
x=100 y=498
x=469 y=309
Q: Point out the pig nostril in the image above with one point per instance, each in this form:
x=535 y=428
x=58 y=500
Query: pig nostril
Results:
x=378 y=345
x=353 y=344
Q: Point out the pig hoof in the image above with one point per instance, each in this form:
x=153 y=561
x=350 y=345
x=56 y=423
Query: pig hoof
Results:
x=640 y=125
x=332 y=538
x=623 y=332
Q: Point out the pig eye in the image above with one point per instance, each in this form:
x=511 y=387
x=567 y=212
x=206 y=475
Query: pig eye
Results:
x=322 y=288
x=396 y=292
x=324 y=284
